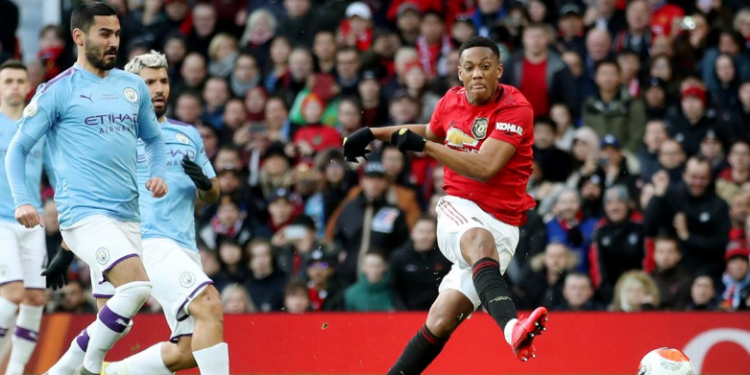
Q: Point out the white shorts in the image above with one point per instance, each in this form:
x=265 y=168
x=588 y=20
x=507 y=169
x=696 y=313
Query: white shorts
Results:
x=455 y=217
x=102 y=242
x=23 y=255
x=177 y=277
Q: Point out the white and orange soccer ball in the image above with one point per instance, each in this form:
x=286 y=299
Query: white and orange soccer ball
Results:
x=666 y=361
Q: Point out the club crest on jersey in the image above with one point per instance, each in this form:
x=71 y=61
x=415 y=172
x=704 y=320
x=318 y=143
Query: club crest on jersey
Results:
x=182 y=138
x=102 y=256
x=31 y=109
x=479 y=129
x=187 y=279
x=130 y=94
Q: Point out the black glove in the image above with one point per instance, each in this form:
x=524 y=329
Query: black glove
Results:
x=407 y=140
x=196 y=174
x=354 y=144
x=57 y=270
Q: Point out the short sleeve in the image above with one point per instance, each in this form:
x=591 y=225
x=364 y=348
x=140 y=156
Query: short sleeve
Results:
x=513 y=124
x=41 y=113
x=148 y=125
x=201 y=158
x=436 y=124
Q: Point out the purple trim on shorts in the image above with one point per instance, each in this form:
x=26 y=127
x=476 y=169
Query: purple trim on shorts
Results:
x=192 y=294
x=83 y=340
x=96 y=295
x=10 y=281
x=174 y=339
x=112 y=320
x=3 y=332
x=26 y=334
x=104 y=277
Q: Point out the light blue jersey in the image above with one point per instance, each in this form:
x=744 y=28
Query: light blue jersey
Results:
x=92 y=125
x=173 y=216
x=34 y=163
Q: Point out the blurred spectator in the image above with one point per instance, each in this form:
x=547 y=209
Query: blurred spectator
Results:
x=349 y=116
x=74 y=299
x=488 y=17
x=540 y=73
x=672 y=279
x=276 y=69
x=655 y=97
x=245 y=75
x=408 y=18
x=294 y=245
x=301 y=22
x=570 y=227
x=276 y=119
x=403 y=108
x=281 y=211
x=325 y=288
x=366 y=222
x=736 y=278
x=730 y=43
x=635 y=291
x=637 y=36
x=545 y=285
x=380 y=58
x=233 y=265
x=234 y=117
x=598 y=48
x=532 y=241
x=258 y=34
x=648 y=153
x=613 y=110
x=729 y=180
x=324 y=49
x=578 y=294
x=712 y=150
x=665 y=18
x=630 y=68
x=739 y=209
x=193 y=72
x=690 y=46
x=703 y=294
x=585 y=152
x=236 y=300
x=255 y=106
x=296 y=298
x=348 y=64
x=371 y=291
x=564 y=126
x=417 y=268
x=461 y=30
x=616 y=166
x=8 y=30
x=203 y=29
x=215 y=95
x=555 y=163
x=433 y=43
x=374 y=107
x=690 y=125
x=356 y=29
x=618 y=244
x=266 y=281
x=52 y=52
x=338 y=181
x=416 y=86
x=571 y=28
x=151 y=22
x=672 y=161
x=188 y=108
x=175 y=50
x=210 y=262
x=230 y=222
x=403 y=58
x=276 y=172
x=449 y=79
x=694 y=213
x=592 y=193
x=724 y=95
x=300 y=70
x=742 y=108
x=604 y=15
x=177 y=12
x=315 y=136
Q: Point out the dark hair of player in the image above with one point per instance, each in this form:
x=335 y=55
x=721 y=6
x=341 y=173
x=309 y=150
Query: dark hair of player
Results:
x=479 y=41
x=13 y=64
x=83 y=15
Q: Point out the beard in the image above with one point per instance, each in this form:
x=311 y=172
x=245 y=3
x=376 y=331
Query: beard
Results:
x=95 y=56
x=160 y=112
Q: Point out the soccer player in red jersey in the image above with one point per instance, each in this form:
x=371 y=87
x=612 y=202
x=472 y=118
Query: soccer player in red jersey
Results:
x=482 y=133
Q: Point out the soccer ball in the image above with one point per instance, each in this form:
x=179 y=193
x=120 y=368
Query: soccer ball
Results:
x=666 y=361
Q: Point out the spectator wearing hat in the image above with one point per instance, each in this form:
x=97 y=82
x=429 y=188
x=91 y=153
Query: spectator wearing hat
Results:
x=618 y=244
x=571 y=29
x=301 y=22
x=703 y=294
x=540 y=73
x=670 y=277
x=585 y=153
x=664 y=17
x=616 y=166
x=730 y=180
x=592 y=192
x=736 y=278
x=556 y=164
x=690 y=125
x=266 y=281
x=314 y=136
x=374 y=107
x=693 y=213
x=648 y=153
x=371 y=292
x=356 y=29
x=367 y=222
x=417 y=268
x=570 y=227
x=656 y=98
x=613 y=110
x=637 y=36
x=324 y=285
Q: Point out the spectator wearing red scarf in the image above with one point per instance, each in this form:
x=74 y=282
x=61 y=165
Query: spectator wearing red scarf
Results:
x=356 y=29
x=433 y=43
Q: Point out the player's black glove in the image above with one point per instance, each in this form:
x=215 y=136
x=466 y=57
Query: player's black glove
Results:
x=57 y=270
x=195 y=173
x=354 y=144
x=407 y=140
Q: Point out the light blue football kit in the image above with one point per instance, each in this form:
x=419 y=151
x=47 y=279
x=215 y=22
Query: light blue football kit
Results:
x=34 y=163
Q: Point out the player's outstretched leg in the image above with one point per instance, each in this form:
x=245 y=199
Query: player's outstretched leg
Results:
x=448 y=311
x=479 y=249
x=27 y=331
x=132 y=290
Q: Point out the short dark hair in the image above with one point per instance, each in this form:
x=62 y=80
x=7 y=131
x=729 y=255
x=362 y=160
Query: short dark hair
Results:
x=479 y=41
x=545 y=121
x=53 y=28
x=83 y=15
x=579 y=274
x=13 y=64
x=607 y=61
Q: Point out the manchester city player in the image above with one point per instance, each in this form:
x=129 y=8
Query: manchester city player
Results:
x=23 y=253
x=92 y=116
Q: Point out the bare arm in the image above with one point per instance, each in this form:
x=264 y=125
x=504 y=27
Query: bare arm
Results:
x=384 y=133
x=482 y=166
x=212 y=195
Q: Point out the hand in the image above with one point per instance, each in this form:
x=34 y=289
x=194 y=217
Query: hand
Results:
x=589 y=166
x=680 y=226
x=57 y=270
x=354 y=145
x=157 y=186
x=201 y=181
x=407 y=140
x=660 y=180
x=28 y=216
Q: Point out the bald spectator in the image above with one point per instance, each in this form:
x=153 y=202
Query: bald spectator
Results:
x=300 y=70
x=204 y=28
x=540 y=73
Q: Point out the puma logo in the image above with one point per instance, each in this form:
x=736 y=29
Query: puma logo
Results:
x=501 y=298
x=87 y=97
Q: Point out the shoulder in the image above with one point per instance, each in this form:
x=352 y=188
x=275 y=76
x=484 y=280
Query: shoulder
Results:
x=512 y=97
x=454 y=93
x=58 y=84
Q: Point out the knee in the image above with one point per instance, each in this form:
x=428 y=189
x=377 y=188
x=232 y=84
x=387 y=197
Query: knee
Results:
x=137 y=291
x=34 y=298
x=478 y=243
x=207 y=306
x=442 y=324
x=13 y=292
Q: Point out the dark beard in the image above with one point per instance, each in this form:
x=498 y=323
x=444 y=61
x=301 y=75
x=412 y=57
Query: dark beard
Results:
x=160 y=112
x=97 y=59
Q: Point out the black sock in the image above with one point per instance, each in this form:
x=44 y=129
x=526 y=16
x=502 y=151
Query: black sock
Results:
x=493 y=291
x=421 y=350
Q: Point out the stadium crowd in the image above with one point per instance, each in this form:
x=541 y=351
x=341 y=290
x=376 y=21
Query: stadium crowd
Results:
x=642 y=148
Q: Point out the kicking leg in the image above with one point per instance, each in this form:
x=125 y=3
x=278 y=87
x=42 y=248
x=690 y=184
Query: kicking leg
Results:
x=210 y=351
x=27 y=331
x=446 y=314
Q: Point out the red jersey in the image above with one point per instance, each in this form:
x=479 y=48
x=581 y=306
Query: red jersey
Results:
x=509 y=118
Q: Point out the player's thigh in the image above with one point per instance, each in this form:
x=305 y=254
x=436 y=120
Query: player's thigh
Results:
x=454 y=220
x=207 y=305
x=448 y=311
x=177 y=278
x=33 y=257
x=11 y=272
x=506 y=240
